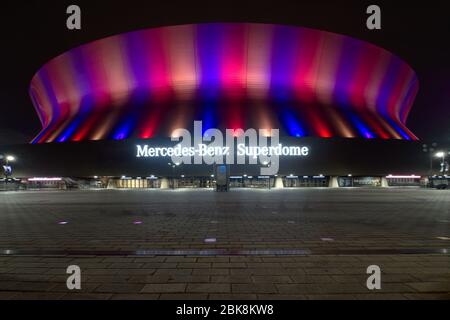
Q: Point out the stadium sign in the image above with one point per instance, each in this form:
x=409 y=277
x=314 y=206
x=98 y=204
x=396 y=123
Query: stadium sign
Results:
x=237 y=147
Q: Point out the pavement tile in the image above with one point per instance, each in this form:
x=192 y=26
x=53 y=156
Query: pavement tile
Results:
x=119 y=288
x=26 y=286
x=208 y=288
x=331 y=297
x=149 y=279
x=189 y=279
x=118 y=260
x=229 y=265
x=303 y=278
x=254 y=288
x=85 y=287
x=430 y=286
x=298 y=289
x=131 y=272
x=195 y=265
x=281 y=297
x=38 y=296
x=183 y=296
x=184 y=272
x=272 y=279
x=7 y=295
x=128 y=265
x=427 y=296
x=150 y=259
x=328 y=271
x=86 y=296
x=213 y=259
x=181 y=259
x=381 y=296
x=164 y=288
x=211 y=272
x=135 y=296
x=174 y=222
x=160 y=265
x=231 y=279
x=25 y=277
x=106 y=279
x=232 y=296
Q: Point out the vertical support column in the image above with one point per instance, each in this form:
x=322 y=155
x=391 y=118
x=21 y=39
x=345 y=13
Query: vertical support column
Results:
x=222 y=175
x=384 y=182
x=279 y=183
x=111 y=184
x=334 y=182
x=164 y=183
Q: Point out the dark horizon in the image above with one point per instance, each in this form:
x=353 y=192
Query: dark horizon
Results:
x=35 y=33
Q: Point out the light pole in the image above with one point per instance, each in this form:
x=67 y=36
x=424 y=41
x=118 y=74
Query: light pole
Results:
x=444 y=168
x=7 y=170
x=211 y=181
x=430 y=149
x=267 y=165
x=173 y=165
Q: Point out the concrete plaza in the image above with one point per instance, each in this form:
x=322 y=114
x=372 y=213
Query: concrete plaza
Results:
x=245 y=244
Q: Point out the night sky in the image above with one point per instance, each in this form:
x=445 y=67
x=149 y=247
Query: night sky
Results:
x=34 y=31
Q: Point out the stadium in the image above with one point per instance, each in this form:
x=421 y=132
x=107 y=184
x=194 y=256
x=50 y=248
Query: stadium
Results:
x=346 y=100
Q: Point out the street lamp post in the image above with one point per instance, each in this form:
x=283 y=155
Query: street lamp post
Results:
x=430 y=149
x=444 y=168
x=7 y=167
x=173 y=165
x=7 y=170
x=267 y=165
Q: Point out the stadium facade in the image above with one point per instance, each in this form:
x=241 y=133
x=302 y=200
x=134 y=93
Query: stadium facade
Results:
x=346 y=99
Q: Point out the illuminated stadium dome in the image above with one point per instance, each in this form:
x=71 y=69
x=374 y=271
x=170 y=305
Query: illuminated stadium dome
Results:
x=145 y=84
x=109 y=110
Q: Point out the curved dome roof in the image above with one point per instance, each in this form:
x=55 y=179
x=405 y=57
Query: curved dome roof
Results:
x=147 y=83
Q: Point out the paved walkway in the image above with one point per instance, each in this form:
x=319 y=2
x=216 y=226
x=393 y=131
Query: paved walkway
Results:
x=225 y=277
x=338 y=234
